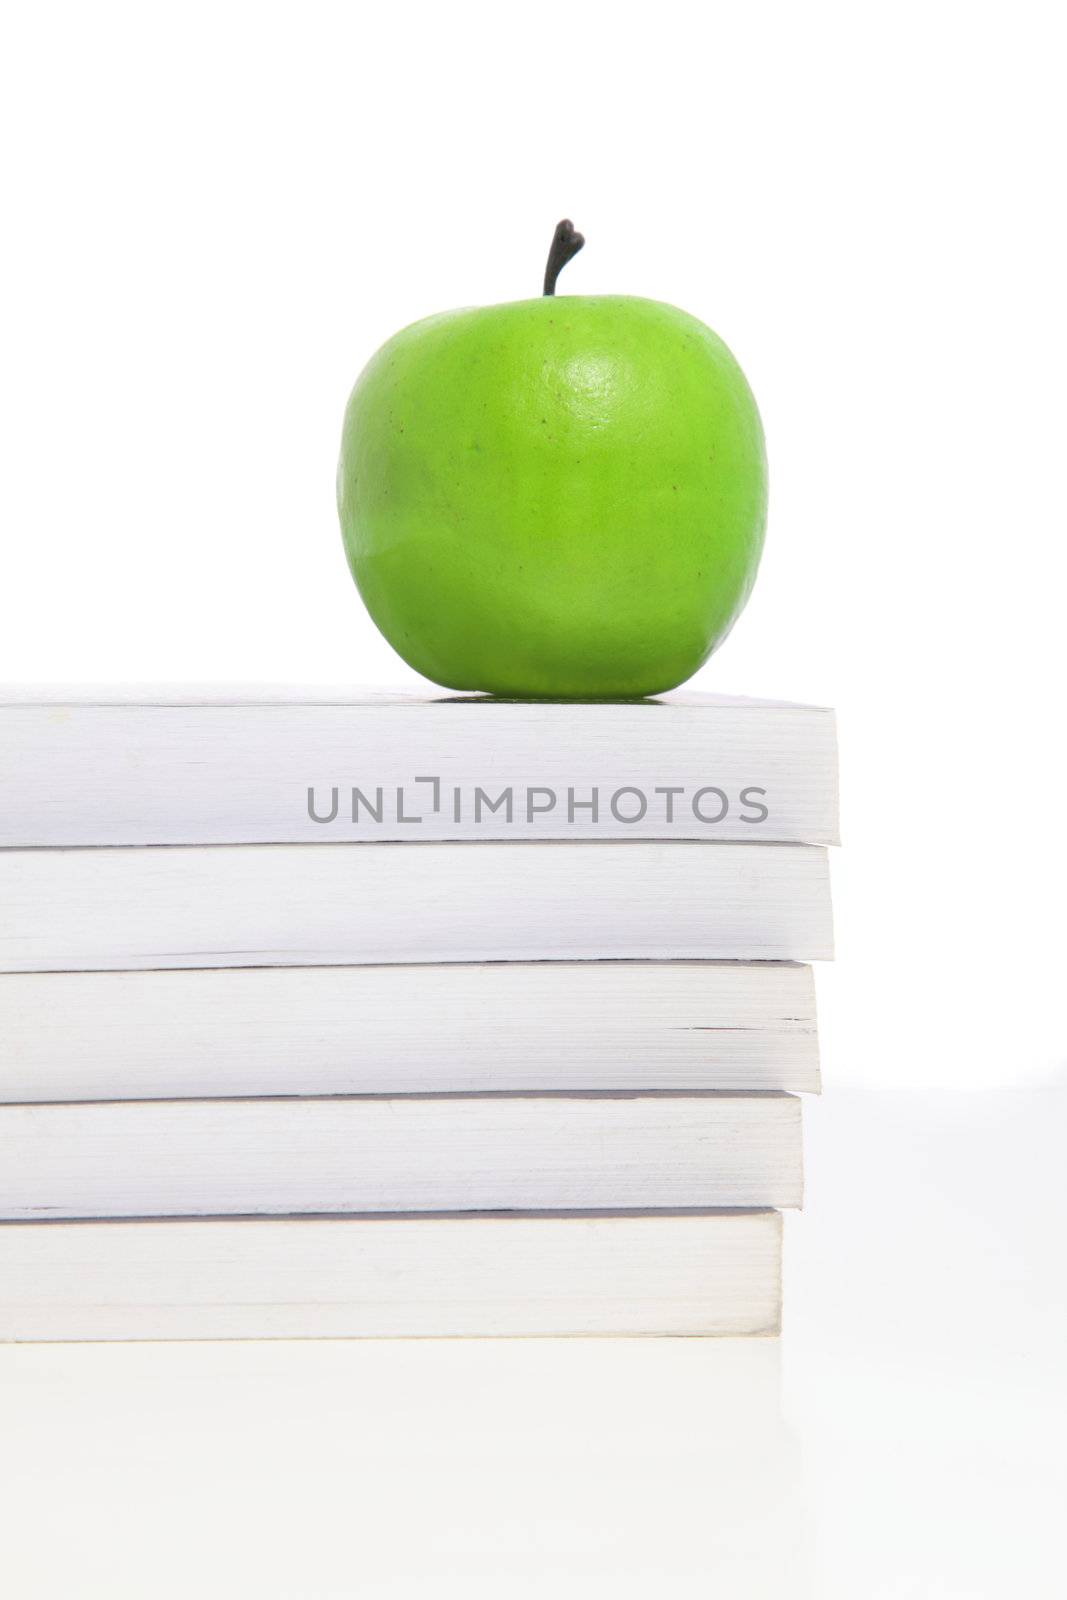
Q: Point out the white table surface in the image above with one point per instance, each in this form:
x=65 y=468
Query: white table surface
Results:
x=905 y=1438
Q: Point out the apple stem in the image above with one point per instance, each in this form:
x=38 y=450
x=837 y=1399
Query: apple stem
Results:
x=566 y=244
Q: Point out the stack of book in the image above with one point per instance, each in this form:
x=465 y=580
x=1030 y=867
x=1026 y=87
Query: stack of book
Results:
x=335 y=1015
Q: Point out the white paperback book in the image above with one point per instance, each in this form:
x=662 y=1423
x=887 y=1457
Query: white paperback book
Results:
x=390 y=1277
x=202 y=765
x=416 y=1153
x=286 y=905
x=549 y=1025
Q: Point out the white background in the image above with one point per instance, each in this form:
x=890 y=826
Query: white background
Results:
x=212 y=215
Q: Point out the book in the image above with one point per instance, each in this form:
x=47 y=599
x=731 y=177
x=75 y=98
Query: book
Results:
x=496 y=1026
x=388 y=1277
x=120 y=766
x=285 y=905
x=418 y=1153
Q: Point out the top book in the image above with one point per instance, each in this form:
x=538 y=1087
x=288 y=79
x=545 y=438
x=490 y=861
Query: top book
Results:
x=134 y=765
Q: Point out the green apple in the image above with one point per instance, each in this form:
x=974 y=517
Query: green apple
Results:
x=559 y=498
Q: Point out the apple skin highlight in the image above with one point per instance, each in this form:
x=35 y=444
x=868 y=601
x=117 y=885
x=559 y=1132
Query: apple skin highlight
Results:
x=554 y=498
